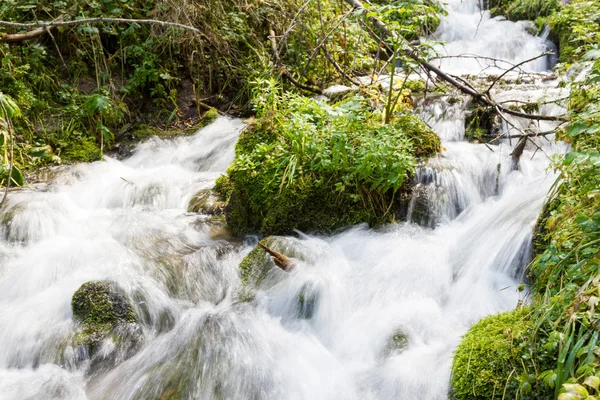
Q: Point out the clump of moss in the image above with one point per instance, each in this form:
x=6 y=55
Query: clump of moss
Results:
x=494 y=360
x=319 y=167
x=81 y=148
x=100 y=307
x=397 y=343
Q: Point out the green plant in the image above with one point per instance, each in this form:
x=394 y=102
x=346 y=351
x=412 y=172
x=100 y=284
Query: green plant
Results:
x=310 y=165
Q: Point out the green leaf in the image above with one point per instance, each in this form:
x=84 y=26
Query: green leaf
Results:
x=11 y=107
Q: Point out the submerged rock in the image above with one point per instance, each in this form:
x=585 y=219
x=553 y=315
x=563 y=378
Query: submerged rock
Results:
x=207 y=202
x=258 y=265
x=108 y=331
x=397 y=343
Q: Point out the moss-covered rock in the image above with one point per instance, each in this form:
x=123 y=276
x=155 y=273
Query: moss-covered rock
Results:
x=320 y=167
x=397 y=343
x=494 y=360
x=104 y=312
x=208 y=202
x=81 y=148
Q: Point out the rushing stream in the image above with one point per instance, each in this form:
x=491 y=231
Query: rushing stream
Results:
x=126 y=221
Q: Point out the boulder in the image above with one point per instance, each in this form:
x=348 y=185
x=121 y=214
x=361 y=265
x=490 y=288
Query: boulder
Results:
x=106 y=317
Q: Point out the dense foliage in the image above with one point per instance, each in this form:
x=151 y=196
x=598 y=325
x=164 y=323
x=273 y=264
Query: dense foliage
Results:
x=311 y=165
x=82 y=88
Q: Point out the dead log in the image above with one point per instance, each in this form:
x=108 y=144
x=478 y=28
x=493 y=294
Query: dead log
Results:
x=283 y=262
x=518 y=151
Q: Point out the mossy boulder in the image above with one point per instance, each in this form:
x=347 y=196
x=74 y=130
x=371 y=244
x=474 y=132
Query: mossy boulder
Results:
x=318 y=167
x=208 y=202
x=494 y=360
x=104 y=312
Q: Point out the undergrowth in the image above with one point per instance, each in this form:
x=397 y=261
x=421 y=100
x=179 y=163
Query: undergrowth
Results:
x=85 y=87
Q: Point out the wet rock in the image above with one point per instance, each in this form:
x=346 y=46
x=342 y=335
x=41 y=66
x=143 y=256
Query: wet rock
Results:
x=418 y=209
x=207 y=202
x=480 y=122
x=337 y=91
x=108 y=331
x=257 y=264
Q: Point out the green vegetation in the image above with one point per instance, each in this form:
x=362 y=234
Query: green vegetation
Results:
x=573 y=23
x=517 y=10
x=576 y=27
x=83 y=88
x=308 y=165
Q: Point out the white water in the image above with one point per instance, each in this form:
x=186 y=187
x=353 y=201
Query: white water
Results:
x=126 y=221
x=496 y=43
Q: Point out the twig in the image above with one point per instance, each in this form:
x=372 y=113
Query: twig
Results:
x=290 y=26
x=338 y=67
x=513 y=67
x=57 y=49
x=283 y=71
x=324 y=39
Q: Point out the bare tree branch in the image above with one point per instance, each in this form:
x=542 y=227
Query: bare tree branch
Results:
x=42 y=26
x=513 y=67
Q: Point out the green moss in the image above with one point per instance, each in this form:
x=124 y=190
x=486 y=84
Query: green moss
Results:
x=100 y=306
x=101 y=302
x=208 y=117
x=257 y=263
x=81 y=148
x=493 y=360
x=416 y=86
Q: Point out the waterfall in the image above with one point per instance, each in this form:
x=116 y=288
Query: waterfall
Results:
x=419 y=285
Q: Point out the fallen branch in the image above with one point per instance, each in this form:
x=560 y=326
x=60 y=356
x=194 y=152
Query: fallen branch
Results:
x=43 y=26
x=279 y=259
x=412 y=53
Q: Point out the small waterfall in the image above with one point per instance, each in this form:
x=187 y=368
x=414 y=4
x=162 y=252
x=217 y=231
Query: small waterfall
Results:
x=387 y=306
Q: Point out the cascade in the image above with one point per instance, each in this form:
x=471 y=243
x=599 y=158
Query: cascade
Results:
x=390 y=304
